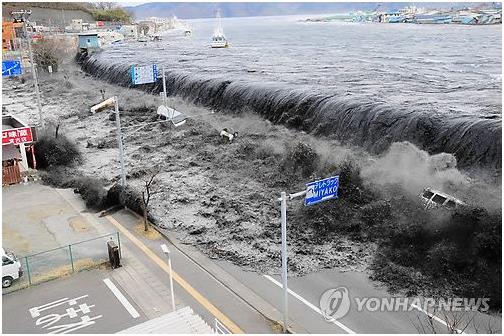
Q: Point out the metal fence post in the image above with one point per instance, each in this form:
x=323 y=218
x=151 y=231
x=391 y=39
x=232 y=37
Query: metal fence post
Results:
x=119 y=244
x=28 y=270
x=71 y=258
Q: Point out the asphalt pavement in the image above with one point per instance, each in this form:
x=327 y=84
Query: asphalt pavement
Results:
x=86 y=302
x=195 y=287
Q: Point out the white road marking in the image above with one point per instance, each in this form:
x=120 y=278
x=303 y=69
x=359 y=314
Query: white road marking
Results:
x=35 y=311
x=121 y=298
x=435 y=318
x=311 y=306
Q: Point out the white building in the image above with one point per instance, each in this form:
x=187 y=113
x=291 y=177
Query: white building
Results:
x=129 y=31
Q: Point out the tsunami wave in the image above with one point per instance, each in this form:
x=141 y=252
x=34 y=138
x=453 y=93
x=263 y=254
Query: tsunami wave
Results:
x=475 y=141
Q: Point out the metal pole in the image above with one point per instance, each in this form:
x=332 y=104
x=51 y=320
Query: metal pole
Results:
x=164 y=86
x=283 y=198
x=164 y=91
x=34 y=72
x=71 y=258
x=120 y=142
x=171 y=284
x=28 y=270
x=119 y=244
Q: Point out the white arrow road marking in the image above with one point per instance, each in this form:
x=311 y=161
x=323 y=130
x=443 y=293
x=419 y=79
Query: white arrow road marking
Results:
x=121 y=298
x=311 y=306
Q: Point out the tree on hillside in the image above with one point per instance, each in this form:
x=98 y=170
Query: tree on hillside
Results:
x=116 y=14
x=50 y=52
x=104 y=5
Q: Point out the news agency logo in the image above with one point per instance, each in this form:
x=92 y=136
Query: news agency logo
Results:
x=335 y=303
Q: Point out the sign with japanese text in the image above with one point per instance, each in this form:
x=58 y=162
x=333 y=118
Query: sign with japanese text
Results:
x=144 y=74
x=17 y=136
x=322 y=190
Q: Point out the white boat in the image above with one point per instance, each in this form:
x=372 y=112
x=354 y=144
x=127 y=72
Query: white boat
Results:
x=219 y=39
x=187 y=30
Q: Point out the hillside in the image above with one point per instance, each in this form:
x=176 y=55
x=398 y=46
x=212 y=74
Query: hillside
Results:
x=50 y=12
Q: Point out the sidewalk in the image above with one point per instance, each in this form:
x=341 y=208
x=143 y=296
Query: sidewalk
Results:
x=144 y=275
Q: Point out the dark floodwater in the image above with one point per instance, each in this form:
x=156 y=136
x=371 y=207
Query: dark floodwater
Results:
x=435 y=78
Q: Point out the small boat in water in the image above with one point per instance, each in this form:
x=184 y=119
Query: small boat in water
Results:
x=187 y=30
x=219 y=39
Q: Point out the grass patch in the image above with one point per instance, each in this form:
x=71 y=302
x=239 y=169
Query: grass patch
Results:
x=151 y=234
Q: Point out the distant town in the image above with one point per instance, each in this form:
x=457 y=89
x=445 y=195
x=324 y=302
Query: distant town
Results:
x=412 y=14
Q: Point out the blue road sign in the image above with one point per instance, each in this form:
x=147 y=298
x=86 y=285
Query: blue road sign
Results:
x=144 y=74
x=11 y=68
x=322 y=190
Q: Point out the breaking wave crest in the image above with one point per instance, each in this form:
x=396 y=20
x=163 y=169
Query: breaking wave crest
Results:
x=475 y=141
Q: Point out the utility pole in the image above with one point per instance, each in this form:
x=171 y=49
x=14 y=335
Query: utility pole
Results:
x=315 y=192
x=110 y=102
x=120 y=142
x=166 y=251
x=164 y=93
x=283 y=210
x=24 y=15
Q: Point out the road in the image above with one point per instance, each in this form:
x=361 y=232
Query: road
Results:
x=305 y=293
x=99 y=305
x=304 y=313
x=192 y=285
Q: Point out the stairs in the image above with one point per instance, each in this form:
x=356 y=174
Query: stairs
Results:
x=181 y=321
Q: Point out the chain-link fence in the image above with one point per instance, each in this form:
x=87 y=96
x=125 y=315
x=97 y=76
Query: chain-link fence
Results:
x=64 y=260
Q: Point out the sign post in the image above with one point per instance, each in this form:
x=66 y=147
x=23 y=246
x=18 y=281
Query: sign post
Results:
x=315 y=192
x=164 y=86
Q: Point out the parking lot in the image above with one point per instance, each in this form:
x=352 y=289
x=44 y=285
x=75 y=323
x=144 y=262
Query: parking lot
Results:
x=87 y=302
x=50 y=236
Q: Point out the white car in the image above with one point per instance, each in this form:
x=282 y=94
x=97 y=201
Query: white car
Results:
x=11 y=268
x=434 y=198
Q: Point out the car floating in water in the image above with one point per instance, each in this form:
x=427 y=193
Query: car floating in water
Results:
x=434 y=199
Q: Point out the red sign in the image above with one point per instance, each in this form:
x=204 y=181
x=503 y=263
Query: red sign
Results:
x=16 y=136
x=99 y=23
